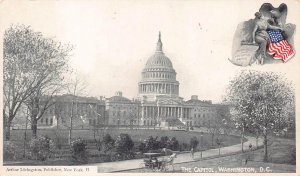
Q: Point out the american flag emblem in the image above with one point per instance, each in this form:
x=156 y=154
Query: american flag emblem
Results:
x=278 y=47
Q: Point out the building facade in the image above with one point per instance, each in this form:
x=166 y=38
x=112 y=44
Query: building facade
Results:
x=122 y=111
x=203 y=113
x=82 y=112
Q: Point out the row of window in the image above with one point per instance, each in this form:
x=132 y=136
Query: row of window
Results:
x=95 y=121
x=123 y=122
x=150 y=123
x=202 y=115
x=203 y=109
x=79 y=111
x=116 y=107
x=159 y=75
x=47 y=121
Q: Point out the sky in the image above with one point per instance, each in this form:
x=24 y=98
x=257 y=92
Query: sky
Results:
x=113 y=39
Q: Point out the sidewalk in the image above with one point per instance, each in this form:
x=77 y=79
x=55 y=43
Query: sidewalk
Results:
x=181 y=158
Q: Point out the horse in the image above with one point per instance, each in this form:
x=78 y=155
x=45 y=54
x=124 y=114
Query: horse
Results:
x=168 y=161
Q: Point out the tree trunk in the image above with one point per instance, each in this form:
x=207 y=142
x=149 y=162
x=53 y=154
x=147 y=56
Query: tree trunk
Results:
x=242 y=142
x=34 y=126
x=265 y=148
x=7 y=130
x=212 y=139
x=256 y=141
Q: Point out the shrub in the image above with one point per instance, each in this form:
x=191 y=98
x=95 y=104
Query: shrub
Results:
x=78 y=150
x=194 y=142
x=163 y=141
x=9 y=151
x=184 y=147
x=173 y=144
x=41 y=148
x=142 y=147
x=124 y=145
x=151 y=143
x=108 y=142
x=58 y=140
x=293 y=156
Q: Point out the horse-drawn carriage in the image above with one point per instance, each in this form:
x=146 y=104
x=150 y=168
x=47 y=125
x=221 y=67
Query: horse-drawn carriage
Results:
x=156 y=163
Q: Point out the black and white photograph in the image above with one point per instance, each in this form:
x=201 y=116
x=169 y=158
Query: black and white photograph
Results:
x=94 y=87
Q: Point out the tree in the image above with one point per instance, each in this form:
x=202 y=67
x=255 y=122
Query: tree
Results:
x=260 y=101
x=75 y=87
x=223 y=118
x=132 y=116
x=30 y=62
x=39 y=102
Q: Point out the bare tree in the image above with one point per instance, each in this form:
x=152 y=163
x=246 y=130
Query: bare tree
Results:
x=260 y=100
x=75 y=87
x=31 y=62
x=41 y=100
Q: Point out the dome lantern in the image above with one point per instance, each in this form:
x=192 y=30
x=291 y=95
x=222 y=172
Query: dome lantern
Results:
x=159 y=44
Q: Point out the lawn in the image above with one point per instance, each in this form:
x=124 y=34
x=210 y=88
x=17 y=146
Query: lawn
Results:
x=63 y=153
x=137 y=135
x=280 y=160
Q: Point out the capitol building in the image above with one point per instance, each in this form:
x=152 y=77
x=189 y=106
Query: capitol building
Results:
x=158 y=103
x=159 y=92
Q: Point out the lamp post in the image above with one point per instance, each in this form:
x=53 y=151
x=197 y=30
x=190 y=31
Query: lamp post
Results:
x=118 y=119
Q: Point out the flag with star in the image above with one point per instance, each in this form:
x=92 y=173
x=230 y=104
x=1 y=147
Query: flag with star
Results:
x=278 y=47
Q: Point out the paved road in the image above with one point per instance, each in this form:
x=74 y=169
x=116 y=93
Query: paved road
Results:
x=181 y=158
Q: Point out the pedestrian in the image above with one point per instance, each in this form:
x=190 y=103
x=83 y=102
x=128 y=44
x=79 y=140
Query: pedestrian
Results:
x=250 y=147
x=192 y=152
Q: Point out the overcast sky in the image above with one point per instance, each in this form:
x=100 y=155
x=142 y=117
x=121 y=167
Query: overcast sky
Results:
x=114 y=39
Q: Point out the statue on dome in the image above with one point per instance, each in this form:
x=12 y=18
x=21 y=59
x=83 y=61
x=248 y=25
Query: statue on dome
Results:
x=262 y=39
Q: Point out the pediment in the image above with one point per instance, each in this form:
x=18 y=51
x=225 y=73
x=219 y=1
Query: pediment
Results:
x=169 y=102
